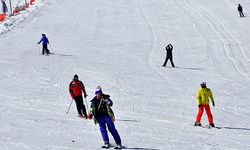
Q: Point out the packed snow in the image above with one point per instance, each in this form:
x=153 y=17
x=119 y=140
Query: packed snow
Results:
x=120 y=45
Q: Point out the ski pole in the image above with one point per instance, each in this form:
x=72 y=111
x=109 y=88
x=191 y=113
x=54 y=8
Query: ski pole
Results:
x=38 y=49
x=87 y=105
x=51 y=49
x=69 y=107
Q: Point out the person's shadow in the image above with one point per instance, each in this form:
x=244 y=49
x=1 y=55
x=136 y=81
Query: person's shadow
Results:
x=236 y=128
x=65 y=55
x=127 y=120
x=139 y=148
x=186 y=68
x=190 y=68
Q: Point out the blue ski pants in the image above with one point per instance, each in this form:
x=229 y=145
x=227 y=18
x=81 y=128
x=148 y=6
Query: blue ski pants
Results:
x=106 y=120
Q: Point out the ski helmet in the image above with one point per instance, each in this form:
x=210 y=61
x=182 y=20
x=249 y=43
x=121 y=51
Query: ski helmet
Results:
x=203 y=84
x=75 y=77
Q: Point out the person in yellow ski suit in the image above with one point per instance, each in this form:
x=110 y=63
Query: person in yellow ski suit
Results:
x=204 y=95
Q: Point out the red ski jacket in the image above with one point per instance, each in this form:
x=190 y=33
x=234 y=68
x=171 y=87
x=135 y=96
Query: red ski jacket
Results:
x=76 y=87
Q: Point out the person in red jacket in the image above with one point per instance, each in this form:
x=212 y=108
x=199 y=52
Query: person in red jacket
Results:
x=76 y=88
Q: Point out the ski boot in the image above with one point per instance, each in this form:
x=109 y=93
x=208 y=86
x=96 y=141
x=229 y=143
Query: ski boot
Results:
x=106 y=145
x=118 y=147
x=212 y=125
x=197 y=124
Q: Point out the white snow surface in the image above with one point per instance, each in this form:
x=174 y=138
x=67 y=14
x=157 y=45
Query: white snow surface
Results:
x=120 y=45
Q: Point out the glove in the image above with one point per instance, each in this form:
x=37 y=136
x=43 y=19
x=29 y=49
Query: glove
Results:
x=113 y=118
x=95 y=121
x=107 y=101
x=90 y=116
x=213 y=104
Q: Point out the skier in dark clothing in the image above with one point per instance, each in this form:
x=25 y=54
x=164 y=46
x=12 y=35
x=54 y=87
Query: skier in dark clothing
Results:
x=240 y=10
x=104 y=115
x=45 y=43
x=76 y=87
x=169 y=55
x=5 y=8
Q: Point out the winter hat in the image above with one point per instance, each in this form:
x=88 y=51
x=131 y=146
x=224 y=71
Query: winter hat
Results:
x=98 y=90
x=75 y=77
x=203 y=84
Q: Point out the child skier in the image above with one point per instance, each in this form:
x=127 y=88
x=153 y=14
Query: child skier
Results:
x=45 y=43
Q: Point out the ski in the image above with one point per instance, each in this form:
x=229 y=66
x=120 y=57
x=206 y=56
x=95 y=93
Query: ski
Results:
x=208 y=127
x=123 y=147
x=217 y=127
x=106 y=146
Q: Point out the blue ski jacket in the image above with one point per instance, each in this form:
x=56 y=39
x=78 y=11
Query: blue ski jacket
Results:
x=44 y=40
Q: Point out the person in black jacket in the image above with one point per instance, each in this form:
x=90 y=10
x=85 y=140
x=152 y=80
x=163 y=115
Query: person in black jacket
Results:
x=104 y=116
x=169 y=55
x=5 y=8
x=240 y=10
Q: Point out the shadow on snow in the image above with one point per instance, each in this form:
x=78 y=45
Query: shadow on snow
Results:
x=138 y=148
x=187 y=68
x=61 y=54
x=233 y=128
x=127 y=120
x=190 y=68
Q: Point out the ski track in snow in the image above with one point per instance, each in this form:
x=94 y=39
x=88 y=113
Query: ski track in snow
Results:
x=153 y=45
x=224 y=35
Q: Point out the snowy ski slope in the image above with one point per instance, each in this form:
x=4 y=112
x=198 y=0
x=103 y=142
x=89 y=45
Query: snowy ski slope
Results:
x=120 y=45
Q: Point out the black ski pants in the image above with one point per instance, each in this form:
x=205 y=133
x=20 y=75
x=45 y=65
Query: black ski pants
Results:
x=171 y=60
x=80 y=106
x=45 y=50
x=241 y=14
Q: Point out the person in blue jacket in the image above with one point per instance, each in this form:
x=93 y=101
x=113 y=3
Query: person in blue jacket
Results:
x=45 y=43
x=104 y=116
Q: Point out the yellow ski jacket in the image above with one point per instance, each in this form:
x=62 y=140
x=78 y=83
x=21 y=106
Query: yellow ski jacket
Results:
x=203 y=96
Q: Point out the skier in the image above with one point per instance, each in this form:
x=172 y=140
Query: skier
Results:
x=45 y=42
x=104 y=115
x=203 y=96
x=76 y=87
x=240 y=10
x=169 y=55
x=4 y=7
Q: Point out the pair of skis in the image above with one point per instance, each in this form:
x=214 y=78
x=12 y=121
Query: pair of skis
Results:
x=208 y=127
x=116 y=147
